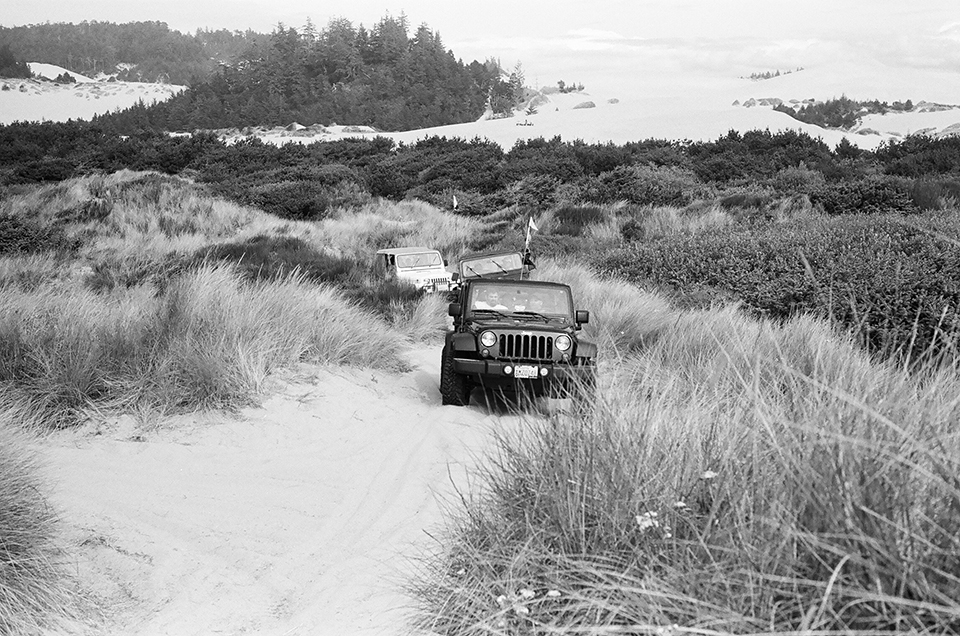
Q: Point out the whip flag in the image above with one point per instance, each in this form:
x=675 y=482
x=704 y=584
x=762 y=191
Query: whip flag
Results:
x=531 y=228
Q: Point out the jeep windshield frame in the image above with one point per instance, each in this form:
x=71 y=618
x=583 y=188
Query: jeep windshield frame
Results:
x=503 y=264
x=419 y=260
x=524 y=301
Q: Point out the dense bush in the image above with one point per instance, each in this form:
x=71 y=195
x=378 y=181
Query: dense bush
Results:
x=895 y=284
x=872 y=195
x=303 y=191
x=841 y=112
x=22 y=236
x=10 y=66
x=934 y=194
x=537 y=191
x=264 y=257
x=644 y=185
x=920 y=155
x=539 y=156
x=797 y=180
x=756 y=154
x=570 y=220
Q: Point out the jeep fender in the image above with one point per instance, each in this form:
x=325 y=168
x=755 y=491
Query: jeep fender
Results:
x=463 y=342
x=586 y=350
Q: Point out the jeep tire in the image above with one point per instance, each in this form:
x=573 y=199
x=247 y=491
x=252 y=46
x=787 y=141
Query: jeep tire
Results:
x=454 y=388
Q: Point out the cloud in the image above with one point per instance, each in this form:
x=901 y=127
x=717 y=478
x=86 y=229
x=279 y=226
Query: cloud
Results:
x=596 y=34
x=950 y=31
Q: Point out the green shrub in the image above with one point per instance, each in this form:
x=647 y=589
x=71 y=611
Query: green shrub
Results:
x=871 y=195
x=271 y=257
x=570 y=220
x=21 y=236
x=745 y=200
x=533 y=191
x=304 y=200
x=643 y=185
x=46 y=169
x=935 y=194
x=544 y=157
x=797 y=180
x=633 y=229
x=896 y=285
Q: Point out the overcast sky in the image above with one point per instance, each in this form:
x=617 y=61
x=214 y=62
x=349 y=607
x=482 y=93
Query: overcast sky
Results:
x=597 y=41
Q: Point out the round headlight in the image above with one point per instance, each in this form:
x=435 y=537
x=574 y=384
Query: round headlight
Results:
x=563 y=343
x=488 y=339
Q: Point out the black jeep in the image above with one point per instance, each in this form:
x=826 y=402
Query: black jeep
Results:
x=515 y=335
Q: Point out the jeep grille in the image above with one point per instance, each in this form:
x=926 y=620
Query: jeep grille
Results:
x=526 y=347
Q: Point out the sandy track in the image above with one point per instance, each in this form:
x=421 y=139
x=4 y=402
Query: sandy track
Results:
x=299 y=517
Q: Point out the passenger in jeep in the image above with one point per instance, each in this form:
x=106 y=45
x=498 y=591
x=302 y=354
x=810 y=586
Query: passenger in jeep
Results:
x=488 y=300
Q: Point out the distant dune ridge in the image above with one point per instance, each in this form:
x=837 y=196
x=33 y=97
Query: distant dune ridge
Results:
x=45 y=100
x=666 y=107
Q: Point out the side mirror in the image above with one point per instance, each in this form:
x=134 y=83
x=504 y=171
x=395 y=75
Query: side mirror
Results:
x=454 y=310
x=445 y=263
x=583 y=316
x=454 y=277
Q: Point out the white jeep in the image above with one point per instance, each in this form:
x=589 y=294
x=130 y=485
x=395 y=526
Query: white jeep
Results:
x=422 y=267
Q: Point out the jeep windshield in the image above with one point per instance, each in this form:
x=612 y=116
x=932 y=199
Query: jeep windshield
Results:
x=531 y=302
x=425 y=259
x=491 y=265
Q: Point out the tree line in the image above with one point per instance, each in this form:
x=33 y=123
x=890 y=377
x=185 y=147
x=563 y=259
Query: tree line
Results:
x=135 y=51
x=381 y=77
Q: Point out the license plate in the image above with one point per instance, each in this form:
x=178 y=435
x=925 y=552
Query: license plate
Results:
x=526 y=371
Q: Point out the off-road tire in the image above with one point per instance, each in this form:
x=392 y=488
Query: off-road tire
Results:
x=455 y=388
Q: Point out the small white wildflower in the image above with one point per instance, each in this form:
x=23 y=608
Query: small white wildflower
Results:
x=647 y=520
x=461 y=572
x=680 y=505
x=553 y=593
x=501 y=600
x=521 y=609
x=527 y=594
x=708 y=474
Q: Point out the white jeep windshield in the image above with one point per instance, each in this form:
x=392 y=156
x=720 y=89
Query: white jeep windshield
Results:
x=424 y=259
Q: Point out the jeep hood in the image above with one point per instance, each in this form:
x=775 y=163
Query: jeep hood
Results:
x=523 y=324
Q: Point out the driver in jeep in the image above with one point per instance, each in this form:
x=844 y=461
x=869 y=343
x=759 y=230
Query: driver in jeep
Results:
x=489 y=300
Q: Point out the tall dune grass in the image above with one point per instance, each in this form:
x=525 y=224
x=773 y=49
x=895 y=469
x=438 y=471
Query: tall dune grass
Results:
x=136 y=314
x=733 y=476
x=32 y=595
x=208 y=340
x=622 y=317
x=407 y=223
x=424 y=321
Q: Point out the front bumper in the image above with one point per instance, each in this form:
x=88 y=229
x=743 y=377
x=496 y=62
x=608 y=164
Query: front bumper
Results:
x=434 y=286
x=496 y=370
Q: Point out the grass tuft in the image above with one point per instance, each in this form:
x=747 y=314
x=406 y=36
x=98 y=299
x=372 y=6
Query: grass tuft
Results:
x=209 y=339
x=33 y=598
